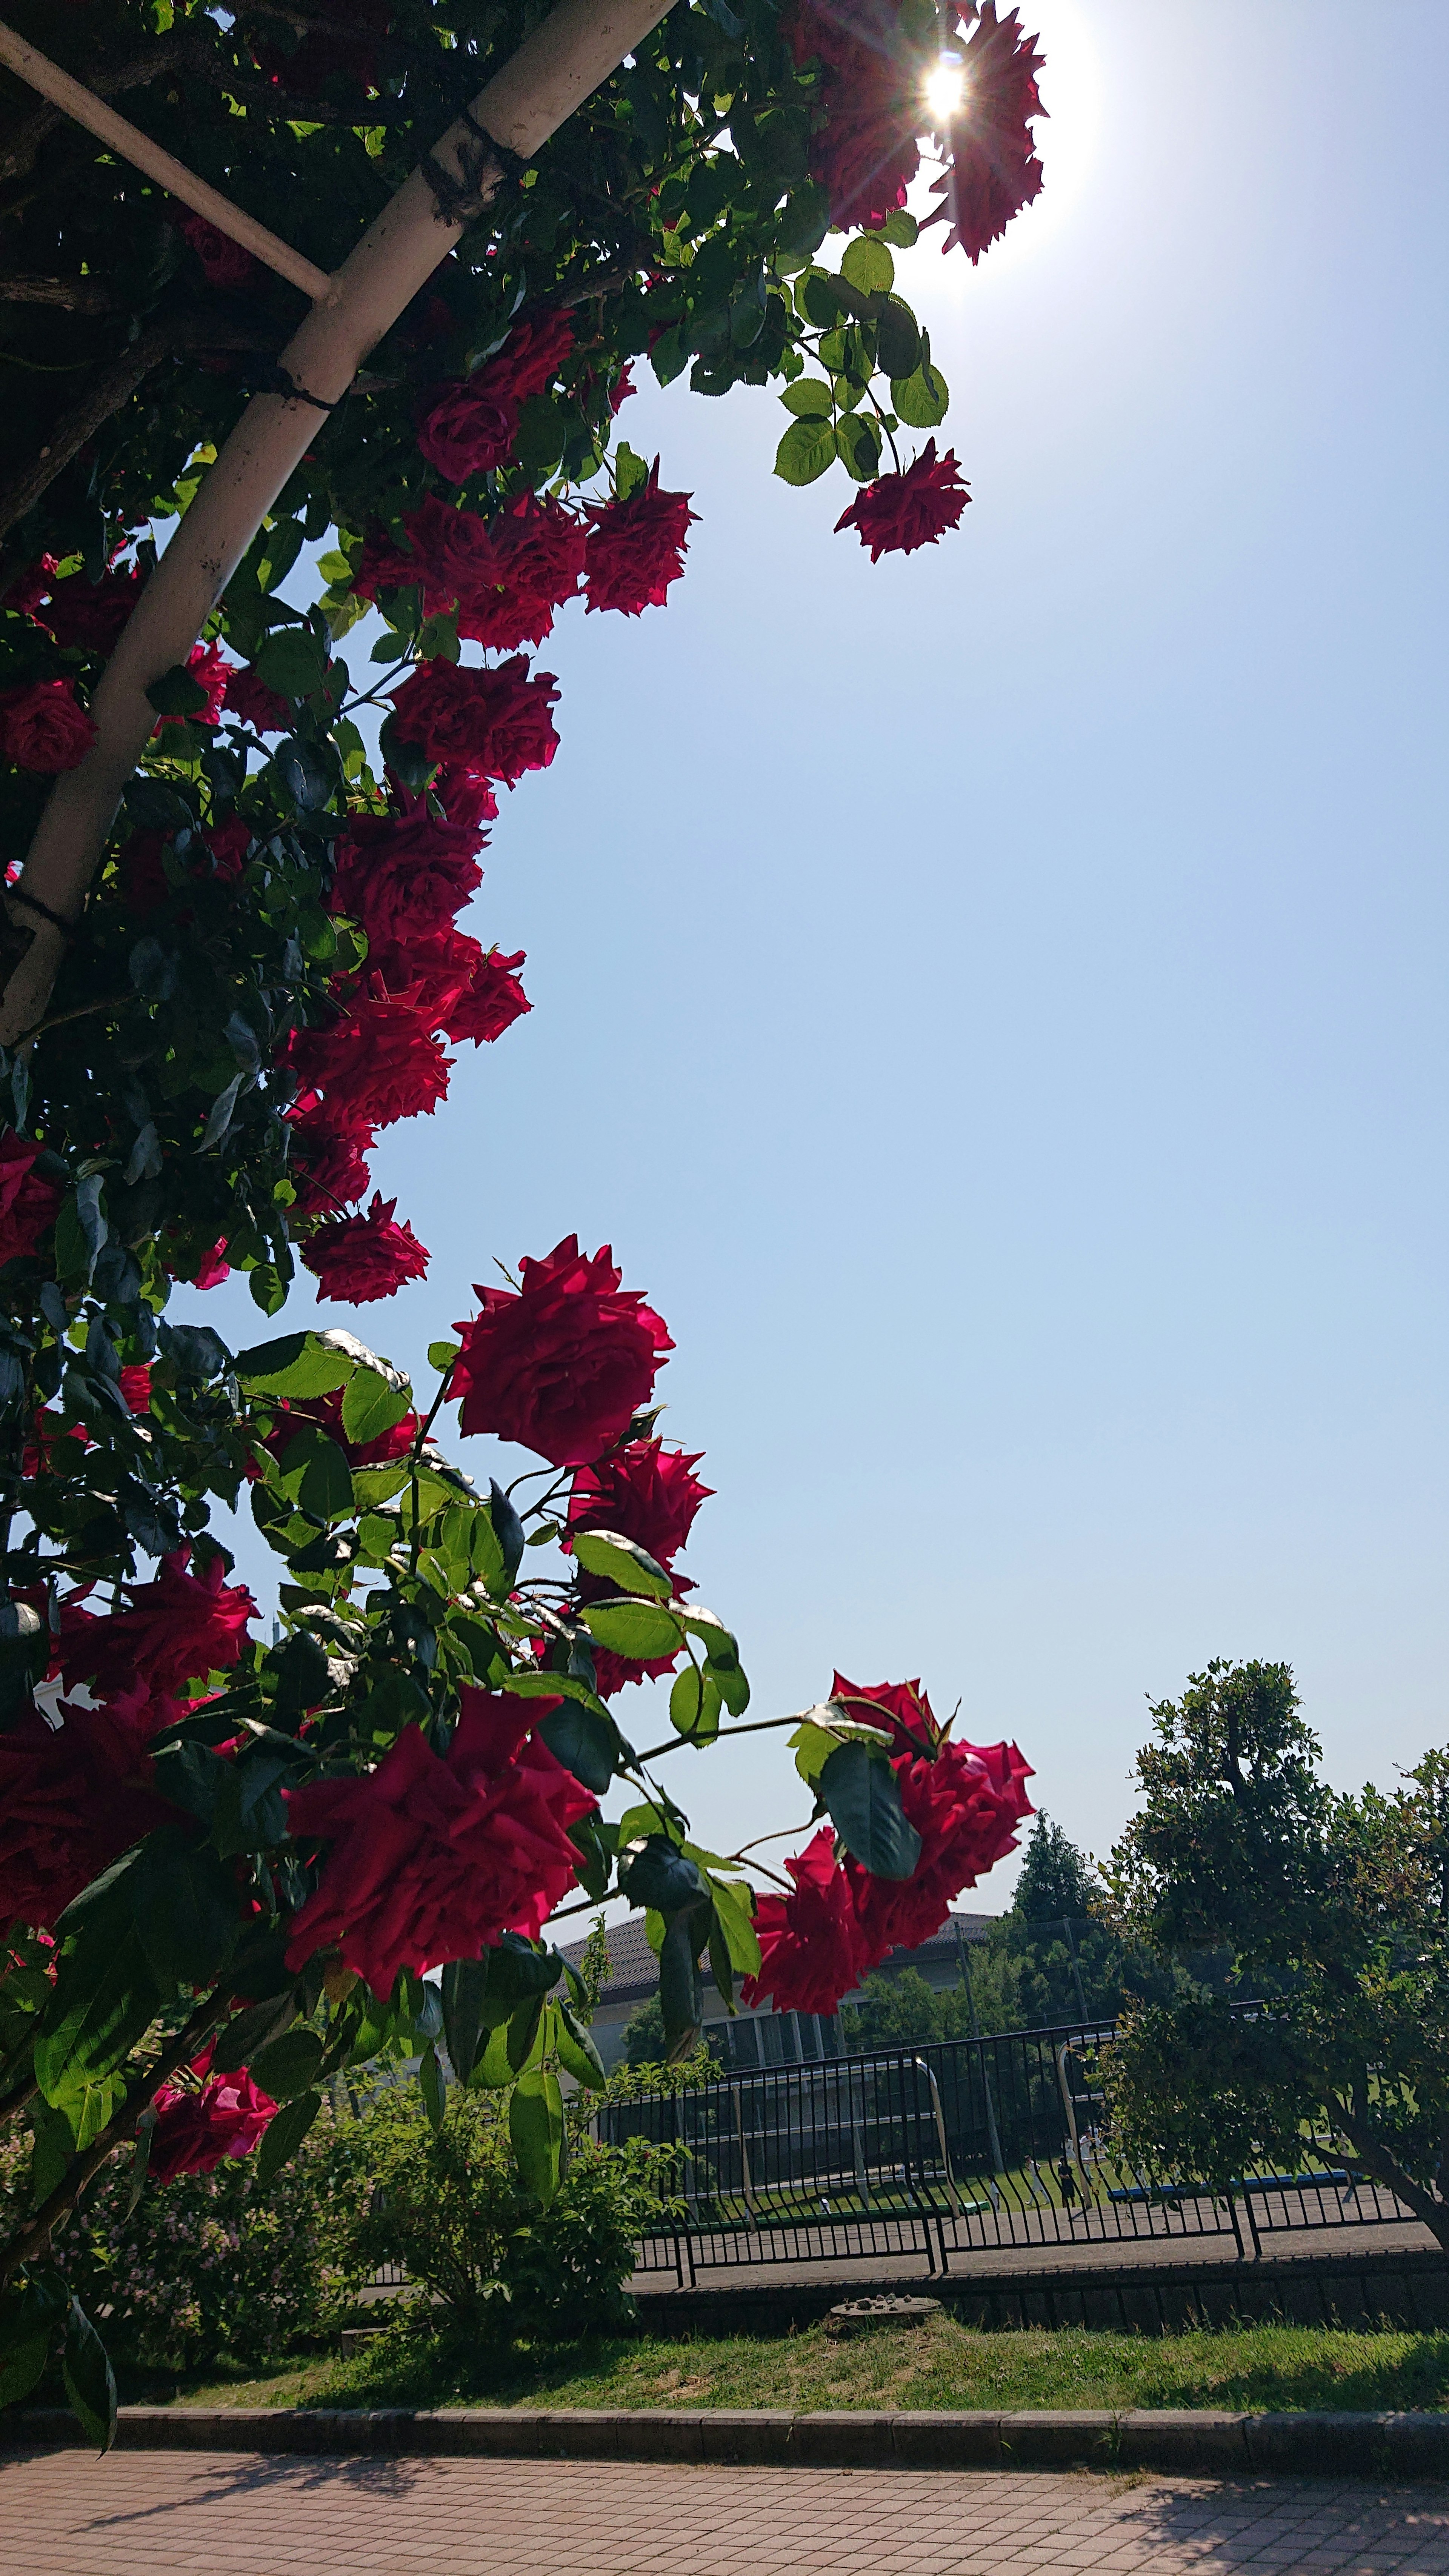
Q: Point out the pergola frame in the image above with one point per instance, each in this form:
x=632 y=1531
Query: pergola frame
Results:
x=577 y=48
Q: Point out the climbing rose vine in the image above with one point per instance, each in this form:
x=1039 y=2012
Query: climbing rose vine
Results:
x=241 y=1855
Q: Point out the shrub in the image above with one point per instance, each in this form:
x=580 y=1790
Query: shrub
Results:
x=448 y=2204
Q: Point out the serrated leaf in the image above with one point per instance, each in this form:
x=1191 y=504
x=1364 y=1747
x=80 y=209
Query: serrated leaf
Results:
x=921 y=400
x=583 y=1741
x=292 y=661
x=641 y=1629
x=622 y=1561
x=809 y=399
x=298 y=1365
x=868 y=265
x=372 y=1405
x=806 y=451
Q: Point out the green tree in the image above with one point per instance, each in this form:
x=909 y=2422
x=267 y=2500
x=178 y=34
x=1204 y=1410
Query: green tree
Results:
x=1331 y=1915
x=1056 y=1878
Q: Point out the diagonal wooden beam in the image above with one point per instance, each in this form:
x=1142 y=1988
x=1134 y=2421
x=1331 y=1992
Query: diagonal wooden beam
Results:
x=37 y=69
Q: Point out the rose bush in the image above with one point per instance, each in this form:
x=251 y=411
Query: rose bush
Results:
x=227 y=1865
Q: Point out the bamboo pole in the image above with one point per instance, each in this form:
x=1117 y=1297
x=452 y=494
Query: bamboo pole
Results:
x=578 y=46
x=37 y=69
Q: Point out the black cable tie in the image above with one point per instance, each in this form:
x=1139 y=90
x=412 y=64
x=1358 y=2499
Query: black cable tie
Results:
x=18 y=894
x=460 y=200
x=277 y=381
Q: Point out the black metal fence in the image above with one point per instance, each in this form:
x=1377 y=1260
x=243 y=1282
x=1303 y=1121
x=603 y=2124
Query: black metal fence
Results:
x=946 y=2149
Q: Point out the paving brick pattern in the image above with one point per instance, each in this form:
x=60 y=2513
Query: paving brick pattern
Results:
x=213 y=2514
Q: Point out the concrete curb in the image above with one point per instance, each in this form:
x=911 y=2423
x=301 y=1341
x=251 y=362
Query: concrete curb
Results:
x=1176 y=2441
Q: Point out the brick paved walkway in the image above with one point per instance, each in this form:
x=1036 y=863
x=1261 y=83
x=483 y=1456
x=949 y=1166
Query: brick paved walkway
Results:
x=209 y=2514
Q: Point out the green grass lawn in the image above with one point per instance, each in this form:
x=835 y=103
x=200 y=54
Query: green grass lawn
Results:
x=939 y=2365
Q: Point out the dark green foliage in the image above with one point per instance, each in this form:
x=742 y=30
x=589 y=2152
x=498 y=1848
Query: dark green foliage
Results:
x=1331 y=1915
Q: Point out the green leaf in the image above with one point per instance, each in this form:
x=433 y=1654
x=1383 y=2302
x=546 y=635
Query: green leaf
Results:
x=285 y=2135
x=630 y=471
x=441 y=1355
x=897 y=339
x=374 y=1485
x=288 y=2065
x=297 y=1365
x=250 y=2032
x=282 y=544
x=308 y=770
x=292 y=661
x=335 y=567
x=435 y=2100
x=869 y=265
x=809 y=399
x=858 y=438
x=806 y=451
x=577 y=2053
x=89 y=2380
x=900 y=228
x=536 y=2130
x=371 y=1406
x=622 y=1562
x=694 y=1705
x=185 y=1907
x=178 y=692
x=465 y=1988
x=638 y=1628
x=681 y=1994
x=30 y=2318
x=735 y=1914
x=653 y=1872
x=922 y=399
x=583 y=1741
x=862 y=1796
x=104 y=1999
x=816 y=299
x=313 y=1472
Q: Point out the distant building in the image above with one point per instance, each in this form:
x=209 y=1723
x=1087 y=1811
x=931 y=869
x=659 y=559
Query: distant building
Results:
x=762 y=2037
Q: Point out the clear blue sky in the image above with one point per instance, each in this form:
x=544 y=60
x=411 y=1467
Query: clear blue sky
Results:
x=994 y=1002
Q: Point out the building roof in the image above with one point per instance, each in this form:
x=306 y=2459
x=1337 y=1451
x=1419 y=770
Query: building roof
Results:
x=634 y=1970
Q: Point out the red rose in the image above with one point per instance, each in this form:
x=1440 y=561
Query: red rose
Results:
x=362 y=1258
x=644 y=1491
x=404 y=875
x=177 y=1629
x=465 y=798
x=25 y=593
x=496 y=723
x=43 y=728
x=563 y=1364
x=91 y=614
x=440 y=543
x=433 y=1857
x=212 y=1268
x=328 y=1150
x=53 y=1445
x=636 y=547
x=466 y=429
x=250 y=698
x=531 y=357
x=899 y=512
x=72 y=1799
x=136 y=1387
x=29 y=1202
x=810 y=1947
x=223 y=261
x=196 y=2130
x=993 y=170
x=864 y=153
x=229 y=842
x=430 y=974
x=379 y=1063
x=532 y=563
x=902 y=1708
x=965 y=1804
x=491 y=1001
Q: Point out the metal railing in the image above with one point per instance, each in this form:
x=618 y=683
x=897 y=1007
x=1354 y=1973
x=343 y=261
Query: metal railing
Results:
x=951 y=2148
